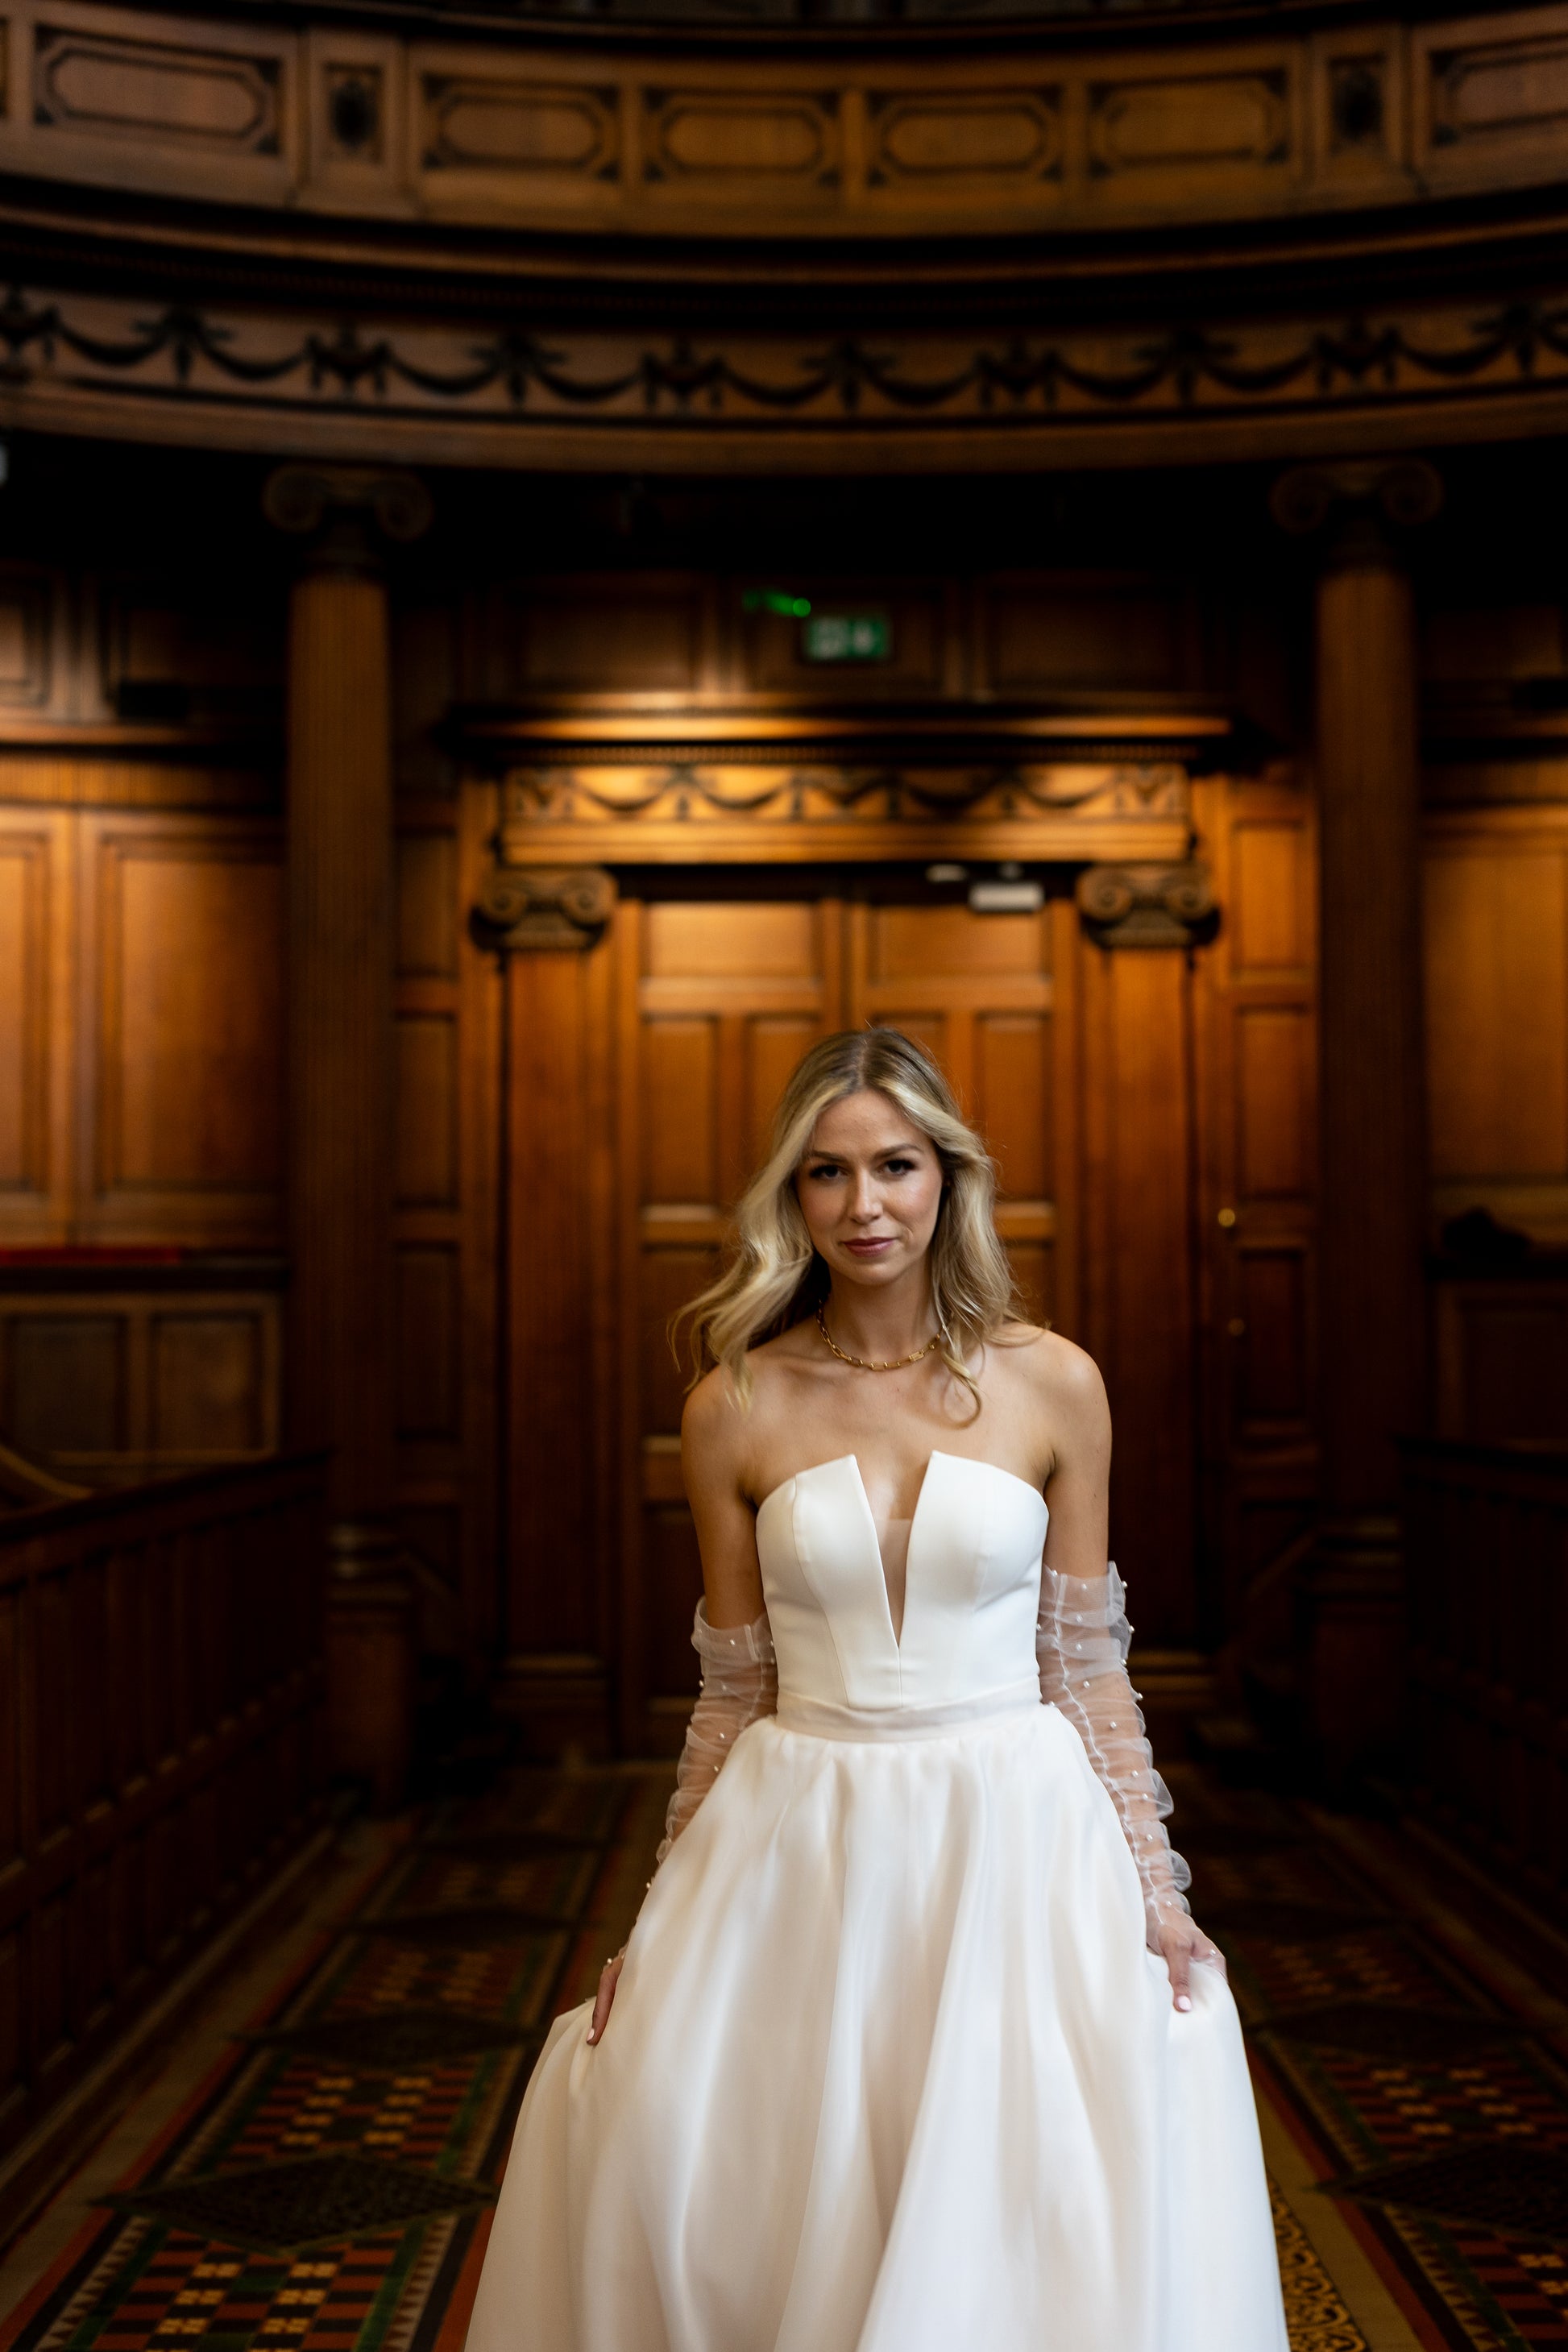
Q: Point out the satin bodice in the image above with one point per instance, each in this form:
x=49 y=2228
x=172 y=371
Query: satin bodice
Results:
x=971 y=1596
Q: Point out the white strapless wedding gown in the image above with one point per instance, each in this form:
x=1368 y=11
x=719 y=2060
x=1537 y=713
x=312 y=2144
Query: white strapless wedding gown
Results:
x=889 y=2068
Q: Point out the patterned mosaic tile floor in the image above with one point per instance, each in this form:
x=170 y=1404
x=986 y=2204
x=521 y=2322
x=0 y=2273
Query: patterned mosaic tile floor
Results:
x=327 y=2187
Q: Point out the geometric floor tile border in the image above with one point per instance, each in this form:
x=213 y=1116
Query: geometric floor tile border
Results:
x=320 y=2202
x=1516 y=2191
x=1315 y=2312
x=397 y=2040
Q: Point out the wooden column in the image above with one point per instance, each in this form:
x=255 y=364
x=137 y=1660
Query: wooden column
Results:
x=341 y=1108
x=1370 y=1305
x=560 y=1366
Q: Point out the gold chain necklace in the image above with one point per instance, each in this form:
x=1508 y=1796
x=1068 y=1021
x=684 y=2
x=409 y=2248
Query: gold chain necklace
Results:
x=862 y=1363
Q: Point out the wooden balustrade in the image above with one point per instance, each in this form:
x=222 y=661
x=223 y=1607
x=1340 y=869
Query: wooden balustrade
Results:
x=1486 y=1542
x=162 y=1748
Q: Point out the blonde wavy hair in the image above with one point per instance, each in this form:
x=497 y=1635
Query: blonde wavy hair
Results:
x=775 y=1278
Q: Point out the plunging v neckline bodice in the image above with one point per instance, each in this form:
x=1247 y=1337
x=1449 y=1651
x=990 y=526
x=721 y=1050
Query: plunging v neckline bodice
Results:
x=970 y=1583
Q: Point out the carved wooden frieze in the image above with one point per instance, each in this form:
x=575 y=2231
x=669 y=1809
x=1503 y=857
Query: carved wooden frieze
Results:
x=524 y=910
x=693 y=811
x=516 y=395
x=1148 y=906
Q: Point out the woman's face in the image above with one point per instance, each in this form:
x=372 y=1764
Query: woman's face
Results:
x=869 y=1189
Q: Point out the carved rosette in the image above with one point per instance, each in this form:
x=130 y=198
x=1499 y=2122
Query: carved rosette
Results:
x=1148 y=906
x=522 y=909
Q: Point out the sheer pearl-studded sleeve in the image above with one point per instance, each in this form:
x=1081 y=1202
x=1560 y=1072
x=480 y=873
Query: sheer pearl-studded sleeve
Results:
x=740 y=1683
x=1081 y=1643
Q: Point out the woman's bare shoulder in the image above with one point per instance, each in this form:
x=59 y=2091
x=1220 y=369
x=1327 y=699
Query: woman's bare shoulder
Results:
x=717 y=1425
x=712 y=1419
x=1059 y=1375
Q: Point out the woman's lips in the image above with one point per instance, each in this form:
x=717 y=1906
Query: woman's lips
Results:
x=872 y=1248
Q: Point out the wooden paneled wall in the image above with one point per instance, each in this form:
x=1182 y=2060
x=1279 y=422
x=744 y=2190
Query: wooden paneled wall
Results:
x=1497 y=1012
x=1496 y=841
x=1154 y=1115
x=141 y=979
x=1496 y=913
x=141 y=1025
x=691 y=634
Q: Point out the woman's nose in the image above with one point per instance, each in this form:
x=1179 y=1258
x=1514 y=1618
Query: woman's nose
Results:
x=868 y=1201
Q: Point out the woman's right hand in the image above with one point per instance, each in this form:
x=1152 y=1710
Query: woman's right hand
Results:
x=609 y=1978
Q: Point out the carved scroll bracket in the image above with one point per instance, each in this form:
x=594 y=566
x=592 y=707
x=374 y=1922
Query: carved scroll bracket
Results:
x=523 y=908
x=1148 y=906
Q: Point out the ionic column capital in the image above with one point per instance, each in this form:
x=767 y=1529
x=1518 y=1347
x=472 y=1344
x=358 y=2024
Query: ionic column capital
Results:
x=1358 y=504
x=347 y=514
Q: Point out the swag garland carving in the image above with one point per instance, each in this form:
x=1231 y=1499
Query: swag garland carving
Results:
x=522 y=375
x=686 y=810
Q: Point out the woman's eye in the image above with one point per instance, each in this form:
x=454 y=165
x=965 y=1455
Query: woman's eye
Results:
x=897 y=1167
x=821 y=1175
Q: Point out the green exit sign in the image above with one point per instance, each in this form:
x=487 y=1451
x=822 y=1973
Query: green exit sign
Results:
x=847 y=638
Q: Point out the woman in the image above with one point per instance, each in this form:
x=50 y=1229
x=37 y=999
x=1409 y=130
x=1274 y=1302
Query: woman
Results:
x=914 y=2047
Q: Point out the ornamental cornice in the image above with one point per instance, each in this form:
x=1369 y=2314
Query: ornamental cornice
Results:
x=526 y=395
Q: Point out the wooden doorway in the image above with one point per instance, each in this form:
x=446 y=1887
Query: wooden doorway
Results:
x=642 y=1079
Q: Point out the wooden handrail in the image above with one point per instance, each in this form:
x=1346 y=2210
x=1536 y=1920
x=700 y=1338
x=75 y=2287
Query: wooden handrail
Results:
x=163 y=1684
x=26 y=1486
x=186 y=1497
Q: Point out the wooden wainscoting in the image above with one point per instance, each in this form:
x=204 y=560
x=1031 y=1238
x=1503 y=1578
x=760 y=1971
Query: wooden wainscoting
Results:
x=161 y=1746
x=113 y=1374
x=1486 y=1536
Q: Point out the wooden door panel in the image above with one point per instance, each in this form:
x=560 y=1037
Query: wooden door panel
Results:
x=1137 y=1266
x=719 y=1001
x=680 y=1123
x=747 y=942
x=1013 y=1104
x=980 y=993
x=1270 y=1353
x=1274 y=1081
x=669 y=1276
x=1256 y=1036
x=775 y=1043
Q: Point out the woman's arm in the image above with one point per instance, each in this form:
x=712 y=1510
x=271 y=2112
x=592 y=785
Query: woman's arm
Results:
x=714 y=1462
x=730 y=1635
x=1082 y=1646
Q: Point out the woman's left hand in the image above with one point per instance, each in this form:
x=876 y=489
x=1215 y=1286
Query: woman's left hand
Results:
x=609 y=1978
x=1181 y=1942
